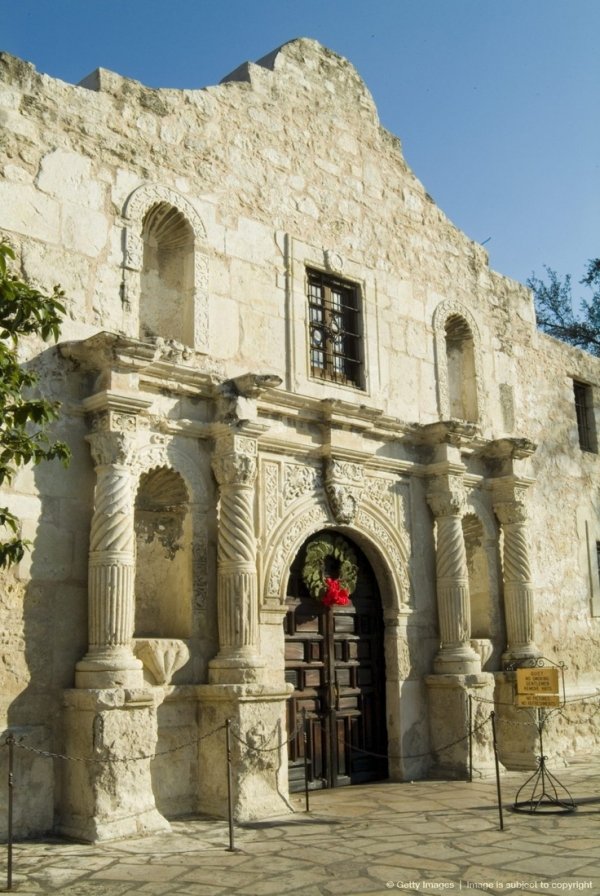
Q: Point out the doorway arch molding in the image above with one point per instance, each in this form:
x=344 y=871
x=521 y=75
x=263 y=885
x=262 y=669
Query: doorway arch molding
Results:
x=381 y=542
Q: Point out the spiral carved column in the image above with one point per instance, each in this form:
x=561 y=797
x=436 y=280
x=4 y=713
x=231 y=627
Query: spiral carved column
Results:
x=510 y=509
x=446 y=499
x=109 y=661
x=235 y=467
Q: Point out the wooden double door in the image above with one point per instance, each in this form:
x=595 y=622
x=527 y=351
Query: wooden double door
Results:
x=334 y=659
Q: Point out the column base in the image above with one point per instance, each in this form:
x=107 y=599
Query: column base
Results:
x=237 y=667
x=259 y=756
x=518 y=741
x=520 y=654
x=103 y=669
x=109 y=794
x=459 y=659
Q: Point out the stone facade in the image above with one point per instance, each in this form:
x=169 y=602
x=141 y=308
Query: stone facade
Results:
x=219 y=418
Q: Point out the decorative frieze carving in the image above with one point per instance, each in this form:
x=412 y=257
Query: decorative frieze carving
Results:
x=399 y=562
x=270 y=495
x=315 y=518
x=344 y=485
x=300 y=480
x=381 y=492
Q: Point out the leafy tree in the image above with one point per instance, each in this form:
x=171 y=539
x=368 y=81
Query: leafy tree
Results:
x=556 y=315
x=23 y=418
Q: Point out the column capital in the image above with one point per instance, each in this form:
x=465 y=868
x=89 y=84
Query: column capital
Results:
x=114 y=448
x=446 y=495
x=509 y=494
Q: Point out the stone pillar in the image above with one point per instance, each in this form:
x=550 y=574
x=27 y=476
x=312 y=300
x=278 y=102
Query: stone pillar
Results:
x=235 y=467
x=509 y=507
x=110 y=661
x=446 y=499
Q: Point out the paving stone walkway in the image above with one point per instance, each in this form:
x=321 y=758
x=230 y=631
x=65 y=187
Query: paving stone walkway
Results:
x=427 y=837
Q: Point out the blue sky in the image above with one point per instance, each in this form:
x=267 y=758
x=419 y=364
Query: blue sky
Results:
x=495 y=101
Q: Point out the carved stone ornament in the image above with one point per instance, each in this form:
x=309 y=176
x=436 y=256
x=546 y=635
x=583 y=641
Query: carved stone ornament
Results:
x=344 y=485
x=511 y=512
x=234 y=469
x=333 y=261
x=300 y=480
x=162 y=657
x=111 y=448
x=447 y=497
x=138 y=204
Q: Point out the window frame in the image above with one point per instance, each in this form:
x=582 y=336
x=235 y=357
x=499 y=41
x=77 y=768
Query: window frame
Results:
x=583 y=397
x=335 y=311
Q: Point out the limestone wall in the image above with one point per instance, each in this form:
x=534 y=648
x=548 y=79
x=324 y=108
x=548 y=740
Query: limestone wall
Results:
x=284 y=165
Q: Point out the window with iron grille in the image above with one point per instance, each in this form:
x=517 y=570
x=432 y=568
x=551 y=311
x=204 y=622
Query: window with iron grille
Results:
x=584 y=409
x=335 y=331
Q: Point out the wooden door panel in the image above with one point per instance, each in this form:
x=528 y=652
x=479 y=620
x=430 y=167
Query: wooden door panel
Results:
x=334 y=659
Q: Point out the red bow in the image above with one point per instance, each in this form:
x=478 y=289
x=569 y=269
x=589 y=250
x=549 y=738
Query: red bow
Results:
x=335 y=594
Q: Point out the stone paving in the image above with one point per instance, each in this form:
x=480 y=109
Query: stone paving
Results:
x=425 y=837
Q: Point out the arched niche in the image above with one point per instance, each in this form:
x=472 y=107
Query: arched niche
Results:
x=483 y=566
x=458 y=363
x=167 y=276
x=165 y=271
x=164 y=573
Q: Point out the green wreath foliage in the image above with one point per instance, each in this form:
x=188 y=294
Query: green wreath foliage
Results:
x=317 y=553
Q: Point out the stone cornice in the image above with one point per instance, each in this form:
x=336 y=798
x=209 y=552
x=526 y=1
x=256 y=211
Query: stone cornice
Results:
x=156 y=364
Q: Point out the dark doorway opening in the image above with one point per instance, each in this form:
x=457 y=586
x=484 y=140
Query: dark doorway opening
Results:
x=334 y=657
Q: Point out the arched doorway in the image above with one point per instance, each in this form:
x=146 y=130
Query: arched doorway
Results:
x=334 y=658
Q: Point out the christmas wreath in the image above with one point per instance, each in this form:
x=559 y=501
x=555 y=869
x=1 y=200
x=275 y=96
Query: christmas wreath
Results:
x=330 y=570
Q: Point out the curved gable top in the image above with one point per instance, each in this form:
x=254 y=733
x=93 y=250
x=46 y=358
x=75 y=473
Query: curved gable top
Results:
x=308 y=60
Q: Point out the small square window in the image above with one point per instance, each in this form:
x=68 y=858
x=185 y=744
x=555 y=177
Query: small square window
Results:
x=584 y=409
x=335 y=330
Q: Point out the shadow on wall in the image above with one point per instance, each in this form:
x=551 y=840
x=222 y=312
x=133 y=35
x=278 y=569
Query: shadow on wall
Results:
x=45 y=598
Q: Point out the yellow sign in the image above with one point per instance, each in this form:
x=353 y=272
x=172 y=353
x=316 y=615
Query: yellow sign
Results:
x=537 y=687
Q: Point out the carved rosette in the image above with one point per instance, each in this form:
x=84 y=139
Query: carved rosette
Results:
x=511 y=510
x=344 y=486
x=235 y=468
x=447 y=500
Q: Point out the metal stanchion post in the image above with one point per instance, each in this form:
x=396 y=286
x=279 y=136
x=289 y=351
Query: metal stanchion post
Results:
x=231 y=847
x=10 y=741
x=305 y=740
x=493 y=718
x=470 y=739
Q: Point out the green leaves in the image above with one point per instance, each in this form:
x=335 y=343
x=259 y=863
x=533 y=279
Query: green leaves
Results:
x=555 y=312
x=24 y=419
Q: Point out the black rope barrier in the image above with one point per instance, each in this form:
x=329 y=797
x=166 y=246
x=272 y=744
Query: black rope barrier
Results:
x=48 y=754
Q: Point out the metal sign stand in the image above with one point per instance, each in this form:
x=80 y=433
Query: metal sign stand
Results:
x=544 y=788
